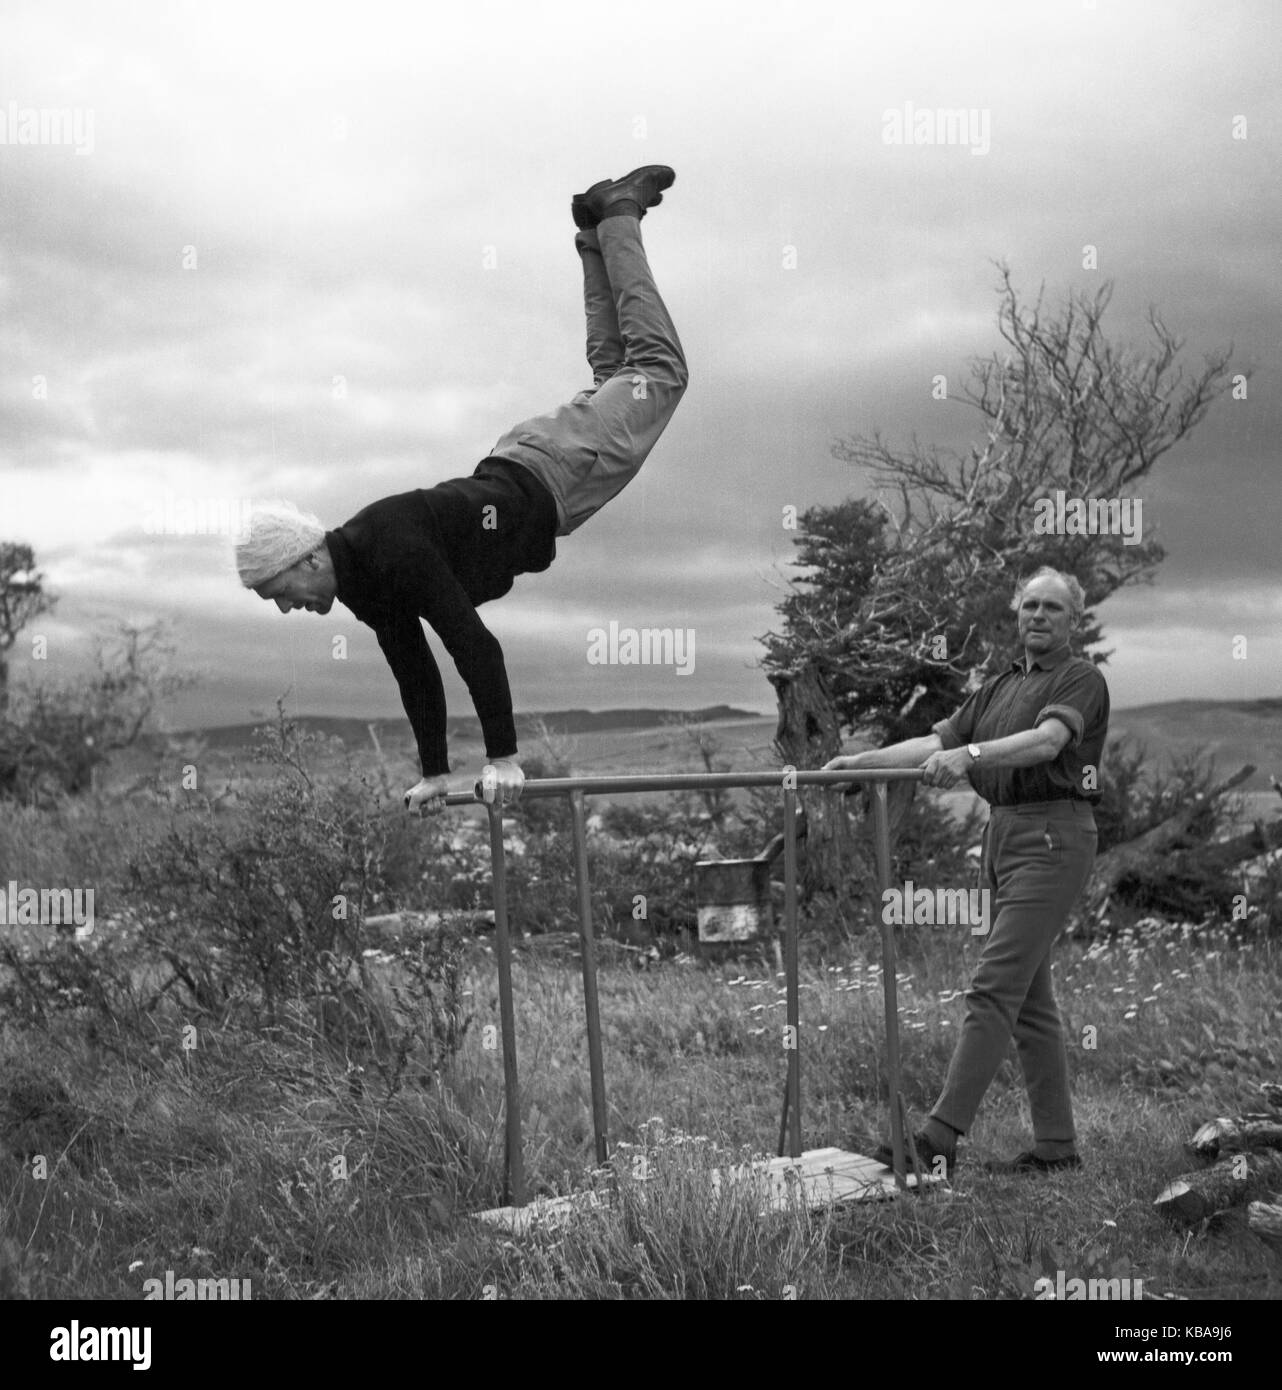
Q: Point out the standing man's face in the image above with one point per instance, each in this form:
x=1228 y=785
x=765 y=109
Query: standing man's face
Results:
x=1045 y=616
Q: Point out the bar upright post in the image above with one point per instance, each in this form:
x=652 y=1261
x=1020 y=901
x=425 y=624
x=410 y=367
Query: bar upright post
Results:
x=587 y=942
x=791 y=965
x=881 y=834
x=514 y=1165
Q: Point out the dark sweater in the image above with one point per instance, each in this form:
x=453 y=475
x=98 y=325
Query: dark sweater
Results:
x=437 y=553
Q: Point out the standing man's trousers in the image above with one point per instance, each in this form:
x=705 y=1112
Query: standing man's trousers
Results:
x=1036 y=861
x=591 y=448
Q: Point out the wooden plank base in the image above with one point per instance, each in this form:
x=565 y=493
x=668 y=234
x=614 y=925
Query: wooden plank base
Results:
x=828 y=1177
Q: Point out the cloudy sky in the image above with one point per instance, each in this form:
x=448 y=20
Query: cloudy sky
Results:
x=324 y=252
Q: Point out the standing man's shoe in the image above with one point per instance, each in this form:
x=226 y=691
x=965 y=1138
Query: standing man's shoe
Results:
x=630 y=195
x=1028 y=1162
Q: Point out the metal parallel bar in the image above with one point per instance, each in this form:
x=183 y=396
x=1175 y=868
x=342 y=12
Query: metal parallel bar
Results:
x=587 y=942
x=881 y=834
x=514 y=1163
x=794 y=991
x=576 y=788
x=690 y=781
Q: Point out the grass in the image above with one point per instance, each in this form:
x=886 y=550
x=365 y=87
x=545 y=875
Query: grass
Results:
x=309 y=1164
x=287 y=1165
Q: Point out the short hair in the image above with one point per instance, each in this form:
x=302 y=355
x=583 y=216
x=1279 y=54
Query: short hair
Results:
x=1076 y=594
x=279 y=535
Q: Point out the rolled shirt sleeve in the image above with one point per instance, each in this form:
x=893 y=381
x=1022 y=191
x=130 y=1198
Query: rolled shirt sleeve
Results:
x=1078 y=697
x=1068 y=716
x=959 y=727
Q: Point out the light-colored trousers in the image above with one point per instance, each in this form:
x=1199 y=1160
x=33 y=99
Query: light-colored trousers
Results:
x=590 y=449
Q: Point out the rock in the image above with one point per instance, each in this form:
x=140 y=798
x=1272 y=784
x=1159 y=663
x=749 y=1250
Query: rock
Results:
x=1265 y=1219
x=1247 y=1132
x=1193 y=1197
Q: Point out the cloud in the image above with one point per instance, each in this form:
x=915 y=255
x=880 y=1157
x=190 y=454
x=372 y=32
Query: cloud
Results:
x=332 y=261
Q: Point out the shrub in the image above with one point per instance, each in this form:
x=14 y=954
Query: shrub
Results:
x=1134 y=797
x=255 y=920
x=54 y=736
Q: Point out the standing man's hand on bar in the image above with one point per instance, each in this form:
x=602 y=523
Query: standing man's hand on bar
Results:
x=947 y=767
x=911 y=752
x=848 y=762
x=501 y=781
x=427 y=798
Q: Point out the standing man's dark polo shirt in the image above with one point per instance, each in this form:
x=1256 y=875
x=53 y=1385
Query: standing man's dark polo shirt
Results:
x=1060 y=685
x=437 y=553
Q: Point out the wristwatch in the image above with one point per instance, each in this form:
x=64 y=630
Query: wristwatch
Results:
x=973 y=750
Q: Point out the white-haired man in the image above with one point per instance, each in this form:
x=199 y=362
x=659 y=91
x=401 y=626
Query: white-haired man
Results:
x=1030 y=741
x=438 y=552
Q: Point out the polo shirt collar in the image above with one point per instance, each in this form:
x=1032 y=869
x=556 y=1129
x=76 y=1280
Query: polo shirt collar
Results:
x=1047 y=662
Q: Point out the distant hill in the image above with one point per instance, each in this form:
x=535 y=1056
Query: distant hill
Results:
x=1233 y=731
x=355 y=732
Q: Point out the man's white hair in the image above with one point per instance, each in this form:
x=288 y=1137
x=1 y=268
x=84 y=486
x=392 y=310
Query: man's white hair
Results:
x=279 y=536
x=1076 y=594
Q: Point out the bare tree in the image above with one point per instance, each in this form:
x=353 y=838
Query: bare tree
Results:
x=904 y=604
x=22 y=599
x=56 y=734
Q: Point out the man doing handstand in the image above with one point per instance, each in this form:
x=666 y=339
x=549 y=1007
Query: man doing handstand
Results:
x=439 y=552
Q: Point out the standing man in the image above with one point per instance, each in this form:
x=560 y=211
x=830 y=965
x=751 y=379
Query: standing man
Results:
x=1030 y=741
x=439 y=552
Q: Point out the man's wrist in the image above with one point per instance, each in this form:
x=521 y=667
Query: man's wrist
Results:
x=974 y=750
